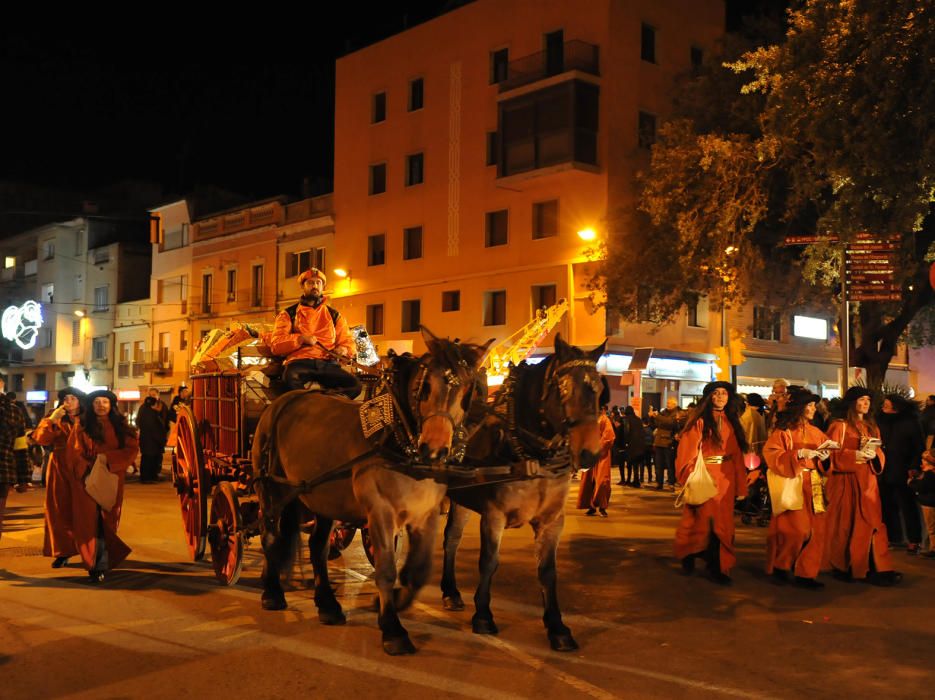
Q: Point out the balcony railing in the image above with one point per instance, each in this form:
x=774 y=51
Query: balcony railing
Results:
x=576 y=55
x=158 y=361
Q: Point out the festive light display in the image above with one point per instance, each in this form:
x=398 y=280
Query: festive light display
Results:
x=21 y=324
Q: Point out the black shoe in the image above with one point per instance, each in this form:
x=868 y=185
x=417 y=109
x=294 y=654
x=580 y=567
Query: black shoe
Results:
x=659 y=487
x=720 y=578
x=844 y=576
x=809 y=583
x=688 y=565
x=637 y=485
x=59 y=562
x=602 y=512
x=780 y=576
x=591 y=511
x=885 y=578
x=96 y=576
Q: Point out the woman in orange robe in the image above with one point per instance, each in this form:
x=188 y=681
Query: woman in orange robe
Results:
x=53 y=431
x=594 y=491
x=103 y=431
x=796 y=538
x=856 y=544
x=707 y=530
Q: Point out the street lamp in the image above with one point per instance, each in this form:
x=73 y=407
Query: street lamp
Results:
x=79 y=313
x=587 y=234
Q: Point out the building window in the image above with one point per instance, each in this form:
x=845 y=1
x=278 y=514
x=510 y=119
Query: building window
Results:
x=412 y=243
x=124 y=352
x=183 y=340
x=698 y=312
x=495 y=232
x=495 y=308
x=554 y=52
x=139 y=350
x=646 y=133
x=76 y=332
x=297 y=263
x=611 y=321
x=376 y=249
x=548 y=127
x=17 y=382
x=375 y=319
x=48 y=250
x=101 y=301
x=647 y=43
x=40 y=381
x=416 y=94
x=99 y=348
x=545 y=219
x=101 y=256
x=44 y=338
x=767 y=323
x=9 y=262
x=412 y=312
x=543 y=296
x=176 y=238
x=451 y=300
x=697 y=60
x=378 y=178
x=206 y=284
x=165 y=346
x=256 y=286
x=415 y=173
x=644 y=298
x=232 y=284
x=499 y=66
x=47 y=293
x=492 y=142
x=378 y=109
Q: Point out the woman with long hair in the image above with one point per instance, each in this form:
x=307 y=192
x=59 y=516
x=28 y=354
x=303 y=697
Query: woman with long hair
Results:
x=796 y=538
x=53 y=431
x=102 y=435
x=856 y=543
x=707 y=530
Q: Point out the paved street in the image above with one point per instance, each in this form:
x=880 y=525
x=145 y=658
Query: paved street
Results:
x=161 y=627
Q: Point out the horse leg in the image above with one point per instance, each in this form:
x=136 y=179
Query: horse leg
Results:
x=395 y=638
x=418 y=565
x=454 y=529
x=492 y=525
x=329 y=610
x=277 y=536
x=547 y=536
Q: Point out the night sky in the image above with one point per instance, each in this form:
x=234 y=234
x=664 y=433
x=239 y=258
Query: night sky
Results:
x=244 y=103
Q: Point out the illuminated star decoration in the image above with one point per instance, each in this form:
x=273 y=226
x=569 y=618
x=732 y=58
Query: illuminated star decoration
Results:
x=21 y=324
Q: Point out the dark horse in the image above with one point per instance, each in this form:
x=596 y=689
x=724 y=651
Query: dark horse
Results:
x=311 y=446
x=547 y=403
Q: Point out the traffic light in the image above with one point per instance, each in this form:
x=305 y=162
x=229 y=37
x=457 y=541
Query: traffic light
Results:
x=737 y=347
x=721 y=361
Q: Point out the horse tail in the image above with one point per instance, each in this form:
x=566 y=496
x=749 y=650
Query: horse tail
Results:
x=289 y=530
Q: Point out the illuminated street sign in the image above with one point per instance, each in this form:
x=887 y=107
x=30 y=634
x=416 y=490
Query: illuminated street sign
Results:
x=21 y=324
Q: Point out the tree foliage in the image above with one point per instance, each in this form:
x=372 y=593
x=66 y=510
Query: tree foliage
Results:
x=824 y=130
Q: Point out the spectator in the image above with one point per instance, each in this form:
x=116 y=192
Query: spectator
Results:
x=666 y=424
x=822 y=417
x=923 y=485
x=753 y=423
x=928 y=420
x=776 y=401
x=903 y=444
x=619 y=455
x=635 y=447
x=53 y=432
x=20 y=444
x=9 y=425
x=152 y=420
x=184 y=397
x=102 y=434
x=856 y=546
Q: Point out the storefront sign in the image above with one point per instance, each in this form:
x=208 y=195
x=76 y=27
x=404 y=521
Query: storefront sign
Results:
x=37 y=396
x=21 y=324
x=128 y=395
x=661 y=367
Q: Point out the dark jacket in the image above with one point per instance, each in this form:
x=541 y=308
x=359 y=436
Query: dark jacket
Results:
x=153 y=426
x=636 y=438
x=924 y=487
x=666 y=426
x=903 y=444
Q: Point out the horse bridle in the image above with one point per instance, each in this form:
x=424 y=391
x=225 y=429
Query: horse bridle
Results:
x=452 y=382
x=555 y=381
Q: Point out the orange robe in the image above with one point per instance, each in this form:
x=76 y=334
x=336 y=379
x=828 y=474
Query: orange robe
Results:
x=58 y=540
x=796 y=538
x=594 y=491
x=855 y=516
x=79 y=456
x=717 y=514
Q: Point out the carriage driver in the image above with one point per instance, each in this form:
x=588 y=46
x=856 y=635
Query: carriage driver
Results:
x=305 y=332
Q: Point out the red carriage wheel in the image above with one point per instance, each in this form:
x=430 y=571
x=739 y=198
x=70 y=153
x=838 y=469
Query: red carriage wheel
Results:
x=225 y=534
x=341 y=537
x=190 y=477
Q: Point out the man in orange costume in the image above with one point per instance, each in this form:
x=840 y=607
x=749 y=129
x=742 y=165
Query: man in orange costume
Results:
x=707 y=530
x=309 y=335
x=594 y=492
x=53 y=431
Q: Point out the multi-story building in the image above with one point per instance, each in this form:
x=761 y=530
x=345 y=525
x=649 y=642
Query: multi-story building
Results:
x=472 y=150
x=133 y=333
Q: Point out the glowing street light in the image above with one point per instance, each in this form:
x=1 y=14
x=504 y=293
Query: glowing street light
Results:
x=341 y=272
x=587 y=234
x=79 y=313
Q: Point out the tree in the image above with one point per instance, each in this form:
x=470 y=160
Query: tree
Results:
x=825 y=132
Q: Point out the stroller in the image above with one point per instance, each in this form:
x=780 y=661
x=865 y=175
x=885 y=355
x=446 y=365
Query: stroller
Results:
x=756 y=507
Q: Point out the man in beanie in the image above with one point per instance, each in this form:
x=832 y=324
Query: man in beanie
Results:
x=309 y=335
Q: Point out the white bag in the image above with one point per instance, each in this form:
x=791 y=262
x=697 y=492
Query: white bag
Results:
x=699 y=487
x=785 y=493
x=101 y=484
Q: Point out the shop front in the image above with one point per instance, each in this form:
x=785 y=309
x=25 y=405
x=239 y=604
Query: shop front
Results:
x=669 y=373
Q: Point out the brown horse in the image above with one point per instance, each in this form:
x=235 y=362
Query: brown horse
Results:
x=311 y=446
x=557 y=399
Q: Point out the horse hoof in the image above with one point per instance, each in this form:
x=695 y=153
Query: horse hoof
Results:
x=452 y=602
x=398 y=646
x=482 y=626
x=562 y=642
x=331 y=617
x=273 y=601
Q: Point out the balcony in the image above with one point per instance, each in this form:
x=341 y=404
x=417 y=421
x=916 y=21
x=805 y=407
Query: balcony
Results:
x=158 y=361
x=576 y=56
